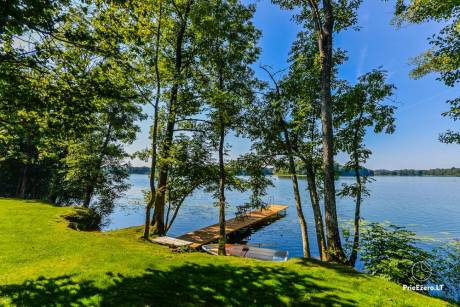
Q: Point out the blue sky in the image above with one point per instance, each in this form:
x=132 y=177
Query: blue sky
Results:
x=420 y=102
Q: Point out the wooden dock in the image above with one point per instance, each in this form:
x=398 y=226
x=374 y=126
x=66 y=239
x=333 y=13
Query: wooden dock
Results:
x=211 y=233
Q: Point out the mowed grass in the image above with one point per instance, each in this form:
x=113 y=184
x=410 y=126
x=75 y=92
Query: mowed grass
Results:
x=43 y=262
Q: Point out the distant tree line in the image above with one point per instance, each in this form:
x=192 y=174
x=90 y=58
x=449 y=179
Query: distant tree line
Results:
x=340 y=171
x=344 y=171
x=454 y=172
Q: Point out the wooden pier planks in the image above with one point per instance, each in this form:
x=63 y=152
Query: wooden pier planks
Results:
x=211 y=233
x=171 y=241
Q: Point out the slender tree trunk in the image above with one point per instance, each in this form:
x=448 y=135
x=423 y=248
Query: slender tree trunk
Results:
x=52 y=193
x=158 y=217
x=359 y=185
x=222 y=235
x=292 y=169
x=88 y=195
x=18 y=186
x=178 y=205
x=91 y=184
x=354 y=251
x=313 y=191
x=298 y=205
x=154 y=130
x=52 y=198
x=295 y=186
x=173 y=217
x=335 y=251
x=24 y=181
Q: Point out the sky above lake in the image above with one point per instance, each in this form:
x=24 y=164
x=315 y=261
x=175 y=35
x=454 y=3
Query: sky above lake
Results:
x=378 y=44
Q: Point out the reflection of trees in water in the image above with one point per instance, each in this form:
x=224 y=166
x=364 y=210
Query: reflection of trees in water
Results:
x=126 y=203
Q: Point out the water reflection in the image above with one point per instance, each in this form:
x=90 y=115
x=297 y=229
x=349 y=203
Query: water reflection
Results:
x=430 y=206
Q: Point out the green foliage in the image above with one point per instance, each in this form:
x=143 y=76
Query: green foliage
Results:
x=359 y=108
x=443 y=57
x=20 y=16
x=193 y=168
x=228 y=46
x=391 y=251
x=345 y=12
x=67 y=106
x=452 y=137
x=258 y=181
x=446 y=268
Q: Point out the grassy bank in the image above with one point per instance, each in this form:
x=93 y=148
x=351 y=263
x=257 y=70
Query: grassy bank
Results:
x=42 y=258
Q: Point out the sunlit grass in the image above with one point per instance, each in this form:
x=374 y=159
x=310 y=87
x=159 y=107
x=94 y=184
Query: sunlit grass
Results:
x=44 y=262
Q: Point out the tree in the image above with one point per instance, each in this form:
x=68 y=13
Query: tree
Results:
x=227 y=45
x=152 y=56
x=322 y=20
x=82 y=105
x=276 y=141
x=25 y=17
x=302 y=87
x=360 y=107
x=177 y=63
x=104 y=71
x=194 y=168
x=444 y=55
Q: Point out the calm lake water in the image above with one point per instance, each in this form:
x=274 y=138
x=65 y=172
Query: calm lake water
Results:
x=429 y=206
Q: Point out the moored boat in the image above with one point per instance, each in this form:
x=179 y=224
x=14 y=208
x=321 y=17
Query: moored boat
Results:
x=246 y=251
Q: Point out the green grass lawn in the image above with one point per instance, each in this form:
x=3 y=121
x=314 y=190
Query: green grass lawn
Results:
x=44 y=262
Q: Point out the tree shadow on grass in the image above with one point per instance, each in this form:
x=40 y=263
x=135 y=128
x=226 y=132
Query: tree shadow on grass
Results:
x=186 y=285
x=339 y=268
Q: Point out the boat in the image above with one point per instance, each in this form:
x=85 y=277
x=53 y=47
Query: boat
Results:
x=247 y=251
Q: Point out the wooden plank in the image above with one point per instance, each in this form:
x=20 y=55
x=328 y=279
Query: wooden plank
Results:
x=211 y=233
x=171 y=241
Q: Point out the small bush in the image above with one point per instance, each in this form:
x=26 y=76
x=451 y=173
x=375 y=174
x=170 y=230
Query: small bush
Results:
x=84 y=219
x=391 y=252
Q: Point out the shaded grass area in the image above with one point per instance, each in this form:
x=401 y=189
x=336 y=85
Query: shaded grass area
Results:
x=43 y=262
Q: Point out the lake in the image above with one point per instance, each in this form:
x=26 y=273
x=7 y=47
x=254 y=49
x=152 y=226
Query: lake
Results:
x=429 y=206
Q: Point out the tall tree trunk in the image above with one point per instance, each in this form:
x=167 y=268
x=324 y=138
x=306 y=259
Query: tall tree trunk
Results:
x=222 y=235
x=158 y=217
x=335 y=251
x=313 y=191
x=155 y=128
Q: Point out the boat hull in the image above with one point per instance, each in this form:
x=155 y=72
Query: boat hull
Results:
x=246 y=251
